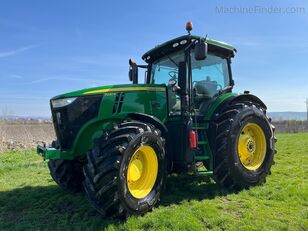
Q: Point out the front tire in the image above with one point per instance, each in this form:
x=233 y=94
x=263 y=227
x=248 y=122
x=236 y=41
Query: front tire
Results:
x=67 y=174
x=125 y=170
x=244 y=146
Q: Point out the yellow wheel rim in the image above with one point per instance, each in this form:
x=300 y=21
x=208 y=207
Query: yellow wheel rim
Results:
x=252 y=146
x=142 y=171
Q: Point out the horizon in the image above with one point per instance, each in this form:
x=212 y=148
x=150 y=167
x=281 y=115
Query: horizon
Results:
x=50 y=48
x=302 y=116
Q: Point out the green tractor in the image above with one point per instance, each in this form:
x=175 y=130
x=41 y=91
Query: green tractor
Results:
x=118 y=143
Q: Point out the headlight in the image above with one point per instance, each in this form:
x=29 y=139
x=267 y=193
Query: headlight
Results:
x=62 y=102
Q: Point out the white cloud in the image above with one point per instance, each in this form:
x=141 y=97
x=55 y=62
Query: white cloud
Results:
x=14 y=76
x=17 y=51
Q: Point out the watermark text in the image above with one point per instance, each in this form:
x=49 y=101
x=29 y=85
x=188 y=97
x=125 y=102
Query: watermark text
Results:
x=260 y=10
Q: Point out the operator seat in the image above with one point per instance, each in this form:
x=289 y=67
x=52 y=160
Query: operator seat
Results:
x=203 y=92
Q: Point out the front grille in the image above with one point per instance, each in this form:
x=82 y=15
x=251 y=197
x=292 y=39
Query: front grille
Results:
x=118 y=102
x=68 y=120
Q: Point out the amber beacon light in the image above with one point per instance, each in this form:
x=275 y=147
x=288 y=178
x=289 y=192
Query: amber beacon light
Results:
x=189 y=27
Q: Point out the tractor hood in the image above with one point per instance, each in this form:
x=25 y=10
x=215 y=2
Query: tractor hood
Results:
x=113 y=88
x=88 y=107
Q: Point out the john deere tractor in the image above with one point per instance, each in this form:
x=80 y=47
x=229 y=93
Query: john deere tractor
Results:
x=118 y=143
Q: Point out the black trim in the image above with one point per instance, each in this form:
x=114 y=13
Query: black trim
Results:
x=167 y=48
x=231 y=81
x=178 y=149
x=68 y=120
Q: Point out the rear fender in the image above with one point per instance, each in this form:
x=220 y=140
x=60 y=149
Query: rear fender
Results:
x=249 y=98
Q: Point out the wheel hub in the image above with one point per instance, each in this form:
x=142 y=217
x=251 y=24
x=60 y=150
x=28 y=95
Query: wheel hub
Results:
x=135 y=170
x=252 y=146
x=142 y=171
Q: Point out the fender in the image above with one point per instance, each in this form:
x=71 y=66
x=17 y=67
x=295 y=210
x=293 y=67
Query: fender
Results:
x=150 y=119
x=249 y=97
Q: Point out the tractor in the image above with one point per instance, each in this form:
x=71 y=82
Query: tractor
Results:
x=118 y=143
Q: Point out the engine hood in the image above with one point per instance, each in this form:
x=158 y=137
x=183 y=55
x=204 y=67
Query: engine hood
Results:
x=113 y=88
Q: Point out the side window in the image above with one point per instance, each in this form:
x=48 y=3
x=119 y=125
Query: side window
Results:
x=162 y=75
x=209 y=76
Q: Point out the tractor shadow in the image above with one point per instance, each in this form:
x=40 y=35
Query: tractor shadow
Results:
x=191 y=187
x=48 y=207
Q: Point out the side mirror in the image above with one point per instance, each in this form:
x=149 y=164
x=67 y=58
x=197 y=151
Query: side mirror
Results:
x=182 y=77
x=133 y=71
x=200 y=50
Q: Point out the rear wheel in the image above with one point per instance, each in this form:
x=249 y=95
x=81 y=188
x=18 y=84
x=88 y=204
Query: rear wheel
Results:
x=125 y=170
x=244 y=146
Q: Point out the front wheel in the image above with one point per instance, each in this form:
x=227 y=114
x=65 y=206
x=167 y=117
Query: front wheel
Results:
x=67 y=174
x=244 y=146
x=125 y=170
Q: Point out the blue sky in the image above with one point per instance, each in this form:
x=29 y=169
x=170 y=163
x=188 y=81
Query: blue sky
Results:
x=52 y=47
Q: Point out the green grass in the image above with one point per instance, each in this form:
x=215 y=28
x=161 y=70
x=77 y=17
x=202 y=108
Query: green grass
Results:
x=30 y=200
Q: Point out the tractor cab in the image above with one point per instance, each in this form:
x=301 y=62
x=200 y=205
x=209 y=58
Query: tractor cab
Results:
x=194 y=69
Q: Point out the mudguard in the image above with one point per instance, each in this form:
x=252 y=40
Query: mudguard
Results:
x=249 y=97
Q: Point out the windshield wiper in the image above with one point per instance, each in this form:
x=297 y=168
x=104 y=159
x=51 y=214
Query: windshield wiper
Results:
x=170 y=59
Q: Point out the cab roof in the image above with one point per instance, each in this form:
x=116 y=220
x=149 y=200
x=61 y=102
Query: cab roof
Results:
x=179 y=42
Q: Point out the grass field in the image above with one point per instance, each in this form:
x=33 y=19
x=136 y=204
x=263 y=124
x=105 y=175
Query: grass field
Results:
x=30 y=200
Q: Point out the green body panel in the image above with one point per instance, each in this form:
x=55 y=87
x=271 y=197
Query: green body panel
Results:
x=49 y=152
x=109 y=89
x=220 y=44
x=216 y=104
x=141 y=98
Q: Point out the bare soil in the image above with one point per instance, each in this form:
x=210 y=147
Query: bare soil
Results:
x=26 y=135
x=15 y=136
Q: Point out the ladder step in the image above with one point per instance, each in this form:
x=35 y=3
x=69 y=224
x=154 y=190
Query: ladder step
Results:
x=202 y=142
x=202 y=157
x=205 y=173
x=199 y=128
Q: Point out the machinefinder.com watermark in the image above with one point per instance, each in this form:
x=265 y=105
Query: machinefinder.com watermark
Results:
x=260 y=10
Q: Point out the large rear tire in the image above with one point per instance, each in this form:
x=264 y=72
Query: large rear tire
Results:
x=244 y=147
x=125 y=170
x=67 y=174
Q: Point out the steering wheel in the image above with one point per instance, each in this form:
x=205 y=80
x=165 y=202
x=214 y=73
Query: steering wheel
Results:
x=219 y=86
x=173 y=74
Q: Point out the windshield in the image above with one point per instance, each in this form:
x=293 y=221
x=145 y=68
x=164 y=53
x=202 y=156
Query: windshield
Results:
x=166 y=68
x=208 y=76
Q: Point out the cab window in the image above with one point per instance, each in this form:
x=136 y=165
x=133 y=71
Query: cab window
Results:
x=209 y=75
